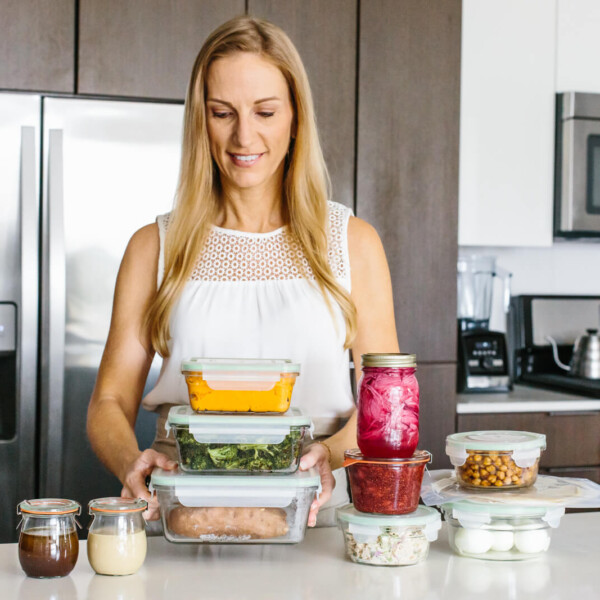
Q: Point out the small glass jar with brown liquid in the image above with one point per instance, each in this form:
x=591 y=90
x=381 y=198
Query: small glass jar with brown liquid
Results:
x=48 y=543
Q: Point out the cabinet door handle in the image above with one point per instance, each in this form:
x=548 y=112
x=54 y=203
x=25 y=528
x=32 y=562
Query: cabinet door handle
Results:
x=572 y=413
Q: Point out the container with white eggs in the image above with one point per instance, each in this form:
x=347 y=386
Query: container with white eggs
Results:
x=500 y=531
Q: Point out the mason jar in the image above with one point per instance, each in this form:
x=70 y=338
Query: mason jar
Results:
x=388 y=406
x=116 y=543
x=48 y=542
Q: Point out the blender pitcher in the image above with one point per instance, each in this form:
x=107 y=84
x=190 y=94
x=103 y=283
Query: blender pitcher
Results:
x=475 y=287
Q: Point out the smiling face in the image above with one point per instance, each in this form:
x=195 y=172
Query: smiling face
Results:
x=249 y=117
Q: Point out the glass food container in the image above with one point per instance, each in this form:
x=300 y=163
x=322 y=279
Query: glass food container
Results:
x=388 y=406
x=388 y=540
x=388 y=486
x=239 y=509
x=240 y=385
x=116 y=543
x=209 y=443
x=500 y=531
x=498 y=459
x=48 y=542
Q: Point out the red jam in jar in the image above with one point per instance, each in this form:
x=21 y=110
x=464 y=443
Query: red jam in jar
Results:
x=385 y=486
x=388 y=406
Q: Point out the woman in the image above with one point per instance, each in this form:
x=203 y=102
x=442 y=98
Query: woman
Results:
x=253 y=262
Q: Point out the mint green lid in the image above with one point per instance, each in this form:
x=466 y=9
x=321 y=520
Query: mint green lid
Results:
x=497 y=509
x=421 y=516
x=161 y=479
x=245 y=365
x=184 y=415
x=496 y=441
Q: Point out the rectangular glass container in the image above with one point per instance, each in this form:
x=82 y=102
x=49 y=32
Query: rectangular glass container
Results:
x=251 y=509
x=254 y=443
x=240 y=385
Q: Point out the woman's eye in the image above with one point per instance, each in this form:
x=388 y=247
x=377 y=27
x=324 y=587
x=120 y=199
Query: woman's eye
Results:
x=265 y=113
x=220 y=115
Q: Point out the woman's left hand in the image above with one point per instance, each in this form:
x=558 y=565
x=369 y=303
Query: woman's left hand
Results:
x=317 y=456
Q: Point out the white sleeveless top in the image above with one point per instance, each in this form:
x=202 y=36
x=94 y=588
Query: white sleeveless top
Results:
x=246 y=298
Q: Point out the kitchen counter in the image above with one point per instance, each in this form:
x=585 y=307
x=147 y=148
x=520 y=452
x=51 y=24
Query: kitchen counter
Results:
x=317 y=568
x=525 y=399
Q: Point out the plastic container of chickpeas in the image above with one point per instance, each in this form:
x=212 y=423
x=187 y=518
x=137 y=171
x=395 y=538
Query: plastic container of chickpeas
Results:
x=500 y=531
x=495 y=459
x=240 y=385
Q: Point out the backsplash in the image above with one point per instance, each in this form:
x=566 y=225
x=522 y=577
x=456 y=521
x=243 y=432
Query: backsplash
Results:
x=569 y=268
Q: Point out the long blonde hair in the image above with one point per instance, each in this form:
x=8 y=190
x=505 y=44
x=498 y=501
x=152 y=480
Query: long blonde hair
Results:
x=305 y=186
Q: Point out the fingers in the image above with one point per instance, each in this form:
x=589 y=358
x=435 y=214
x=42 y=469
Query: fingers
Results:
x=316 y=456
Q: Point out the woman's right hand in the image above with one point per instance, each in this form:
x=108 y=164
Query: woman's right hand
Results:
x=134 y=481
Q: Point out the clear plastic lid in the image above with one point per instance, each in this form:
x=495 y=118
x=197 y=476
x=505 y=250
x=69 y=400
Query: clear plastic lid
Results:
x=49 y=506
x=473 y=514
x=241 y=366
x=117 y=505
x=244 y=428
x=525 y=446
x=427 y=518
x=170 y=479
x=356 y=456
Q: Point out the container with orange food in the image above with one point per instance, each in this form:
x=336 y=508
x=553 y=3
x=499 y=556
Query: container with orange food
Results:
x=240 y=385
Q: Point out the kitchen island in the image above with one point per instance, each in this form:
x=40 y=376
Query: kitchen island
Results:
x=318 y=569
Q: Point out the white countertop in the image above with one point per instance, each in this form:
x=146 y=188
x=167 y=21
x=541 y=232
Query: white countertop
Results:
x=318 y=569
x=524 y=399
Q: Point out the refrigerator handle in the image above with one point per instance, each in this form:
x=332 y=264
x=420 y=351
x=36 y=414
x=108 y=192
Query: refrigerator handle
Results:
x=53 y=320
x=28 y=299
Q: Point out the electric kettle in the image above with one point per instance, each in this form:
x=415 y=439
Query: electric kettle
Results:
x=585 y=361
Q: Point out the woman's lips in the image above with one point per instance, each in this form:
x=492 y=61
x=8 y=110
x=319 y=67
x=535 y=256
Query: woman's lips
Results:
x=244 y=160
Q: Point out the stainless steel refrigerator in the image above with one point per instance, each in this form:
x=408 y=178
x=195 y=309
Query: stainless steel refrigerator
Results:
x=77 y=178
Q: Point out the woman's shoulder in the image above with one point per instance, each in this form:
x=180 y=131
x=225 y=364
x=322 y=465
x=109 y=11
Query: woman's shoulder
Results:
x=144 y=243
x=364 y=243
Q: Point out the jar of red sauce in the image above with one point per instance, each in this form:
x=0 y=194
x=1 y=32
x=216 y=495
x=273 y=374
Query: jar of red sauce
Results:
x=388 y=406
x=388 y=486
x=48 y=542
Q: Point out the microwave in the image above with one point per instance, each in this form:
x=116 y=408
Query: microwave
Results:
x=577 y=169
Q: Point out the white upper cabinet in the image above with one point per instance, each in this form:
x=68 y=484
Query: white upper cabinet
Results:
x=507 y=122
x=578 y=46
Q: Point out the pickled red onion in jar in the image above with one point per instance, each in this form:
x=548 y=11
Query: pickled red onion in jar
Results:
x=388 y=406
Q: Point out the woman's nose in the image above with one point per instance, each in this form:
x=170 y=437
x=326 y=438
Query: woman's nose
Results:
x=243 y=132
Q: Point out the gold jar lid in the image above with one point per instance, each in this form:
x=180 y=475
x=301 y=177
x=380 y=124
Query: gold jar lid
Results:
x=399 y=360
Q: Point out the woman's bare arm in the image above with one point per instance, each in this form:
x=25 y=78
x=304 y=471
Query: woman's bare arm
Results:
x=124 y=367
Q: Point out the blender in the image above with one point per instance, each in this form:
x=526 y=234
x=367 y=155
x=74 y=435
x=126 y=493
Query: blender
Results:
x=482 y=353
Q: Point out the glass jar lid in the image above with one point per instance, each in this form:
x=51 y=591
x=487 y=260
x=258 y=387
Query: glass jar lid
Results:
x=49 y=506
x=356 y=456
x=399 y=360
x=117 y=505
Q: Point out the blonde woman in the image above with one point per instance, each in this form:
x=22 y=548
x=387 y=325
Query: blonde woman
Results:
x=254 y=261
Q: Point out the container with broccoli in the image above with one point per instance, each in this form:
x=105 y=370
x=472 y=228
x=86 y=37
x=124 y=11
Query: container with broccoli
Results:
x=238 y=443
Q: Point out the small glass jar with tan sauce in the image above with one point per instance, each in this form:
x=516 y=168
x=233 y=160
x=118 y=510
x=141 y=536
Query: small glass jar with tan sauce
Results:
x=48 y=542
x=116 y=543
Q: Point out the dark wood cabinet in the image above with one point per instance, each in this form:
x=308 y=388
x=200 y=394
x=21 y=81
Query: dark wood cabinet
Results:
x=37 y=45
x=572 y=439
x=324 y=32
x=144 y=48
x=437 y=407
x=407 y=163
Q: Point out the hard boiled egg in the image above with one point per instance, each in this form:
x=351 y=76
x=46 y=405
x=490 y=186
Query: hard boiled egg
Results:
x=533 y=541
x=502 y=541
x=473 y=541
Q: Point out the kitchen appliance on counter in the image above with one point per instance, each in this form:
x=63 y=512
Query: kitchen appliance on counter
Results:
x=482 y=354
x=547 y=330
x=79 y=177
x=577 y=166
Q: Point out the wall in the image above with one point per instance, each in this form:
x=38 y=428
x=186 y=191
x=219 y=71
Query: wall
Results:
x=566 y=267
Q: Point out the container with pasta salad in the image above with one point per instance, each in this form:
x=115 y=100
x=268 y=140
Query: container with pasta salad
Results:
x=392 y=540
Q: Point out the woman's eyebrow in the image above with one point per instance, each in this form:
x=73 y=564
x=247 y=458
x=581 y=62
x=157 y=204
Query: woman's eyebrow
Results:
x=255 y=102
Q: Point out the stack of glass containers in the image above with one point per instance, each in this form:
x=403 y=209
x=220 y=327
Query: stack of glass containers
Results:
x=489 y=461
x=239 y=445
x=385 y=526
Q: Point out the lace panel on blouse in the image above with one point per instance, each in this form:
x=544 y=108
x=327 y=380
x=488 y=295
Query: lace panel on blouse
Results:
x=239 y=256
